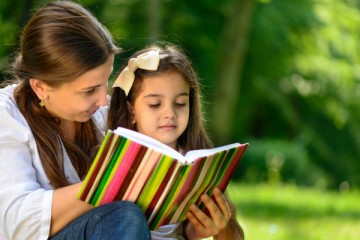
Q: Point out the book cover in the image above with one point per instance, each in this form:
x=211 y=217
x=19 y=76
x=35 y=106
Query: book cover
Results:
x=133 y=167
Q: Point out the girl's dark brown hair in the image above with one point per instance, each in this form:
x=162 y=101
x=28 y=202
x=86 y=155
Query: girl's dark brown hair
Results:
x=60 y=42
x=172 y=59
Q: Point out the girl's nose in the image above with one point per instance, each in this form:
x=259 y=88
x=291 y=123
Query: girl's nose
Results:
x=169 y=112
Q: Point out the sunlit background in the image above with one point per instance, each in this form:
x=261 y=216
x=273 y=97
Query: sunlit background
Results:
x=283 y=75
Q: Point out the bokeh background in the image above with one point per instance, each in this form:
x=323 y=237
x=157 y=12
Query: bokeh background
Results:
x=282 y=75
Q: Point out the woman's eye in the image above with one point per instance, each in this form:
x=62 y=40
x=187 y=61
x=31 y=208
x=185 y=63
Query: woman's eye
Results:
x=89 y=92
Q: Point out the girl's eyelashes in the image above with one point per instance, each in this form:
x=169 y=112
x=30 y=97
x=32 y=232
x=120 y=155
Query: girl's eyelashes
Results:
x=154 y=105
x=180 y=104
x=177 y=104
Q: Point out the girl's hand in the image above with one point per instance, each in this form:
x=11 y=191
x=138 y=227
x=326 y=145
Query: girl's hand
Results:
x=215 y=224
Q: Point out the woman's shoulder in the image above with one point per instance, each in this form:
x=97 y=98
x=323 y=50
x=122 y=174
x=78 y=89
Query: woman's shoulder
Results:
x=8 y=90
x=7 y=100
x=9 y=111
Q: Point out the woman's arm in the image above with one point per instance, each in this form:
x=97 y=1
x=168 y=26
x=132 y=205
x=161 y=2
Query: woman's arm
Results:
x=66 y=207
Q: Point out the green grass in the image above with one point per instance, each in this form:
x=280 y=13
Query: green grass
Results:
x=289 y=213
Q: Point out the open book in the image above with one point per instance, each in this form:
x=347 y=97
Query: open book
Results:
x=133 y=167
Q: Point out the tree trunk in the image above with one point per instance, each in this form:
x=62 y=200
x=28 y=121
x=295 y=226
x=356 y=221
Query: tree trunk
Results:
x=231 y=61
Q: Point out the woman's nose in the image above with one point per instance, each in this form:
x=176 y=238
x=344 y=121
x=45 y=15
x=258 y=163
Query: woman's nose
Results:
x=102 y=99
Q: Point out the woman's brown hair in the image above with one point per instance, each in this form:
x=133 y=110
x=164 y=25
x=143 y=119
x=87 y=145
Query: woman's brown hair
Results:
x=60 y=42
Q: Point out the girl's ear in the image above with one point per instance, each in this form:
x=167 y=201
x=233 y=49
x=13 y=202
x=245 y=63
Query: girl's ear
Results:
x=39 y=87
x=131 y=111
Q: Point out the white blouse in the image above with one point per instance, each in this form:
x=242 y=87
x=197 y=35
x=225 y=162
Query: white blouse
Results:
x=25 y=192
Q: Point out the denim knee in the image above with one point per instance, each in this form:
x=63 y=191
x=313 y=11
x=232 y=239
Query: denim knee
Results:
x=128 y=211
x=116 y=220
x=124 y=207
x=125 y=218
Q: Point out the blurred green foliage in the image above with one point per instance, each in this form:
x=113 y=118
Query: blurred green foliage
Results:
x=284 y=212
x=297 y=80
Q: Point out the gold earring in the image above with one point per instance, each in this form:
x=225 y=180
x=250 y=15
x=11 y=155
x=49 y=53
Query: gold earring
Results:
x=42 y=103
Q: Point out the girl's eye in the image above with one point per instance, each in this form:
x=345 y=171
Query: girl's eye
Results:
x=180 y=104
x=156 y=105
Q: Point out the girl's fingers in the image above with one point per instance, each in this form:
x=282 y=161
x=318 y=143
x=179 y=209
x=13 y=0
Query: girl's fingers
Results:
x=219 y=215
x=216 y=212
x=201 y=217
x=218 y=208
x=222 y=203
x=194 y=220
x=203 y=223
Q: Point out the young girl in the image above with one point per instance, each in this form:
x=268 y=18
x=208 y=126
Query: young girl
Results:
x=158 y=94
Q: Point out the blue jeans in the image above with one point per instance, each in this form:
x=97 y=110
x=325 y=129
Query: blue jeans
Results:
x=116 y=220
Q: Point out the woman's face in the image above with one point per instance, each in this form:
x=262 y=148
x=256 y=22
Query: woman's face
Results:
x=81 y=98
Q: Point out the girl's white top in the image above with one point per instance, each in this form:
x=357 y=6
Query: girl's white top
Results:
x=25 y=192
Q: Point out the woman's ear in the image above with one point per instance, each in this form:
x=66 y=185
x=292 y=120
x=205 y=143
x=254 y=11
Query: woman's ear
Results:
x=39 y=87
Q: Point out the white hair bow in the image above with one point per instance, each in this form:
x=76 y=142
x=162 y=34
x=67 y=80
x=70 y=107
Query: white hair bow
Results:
x=148 y=61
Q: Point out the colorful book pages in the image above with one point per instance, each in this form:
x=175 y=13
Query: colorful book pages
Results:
x=163 y=187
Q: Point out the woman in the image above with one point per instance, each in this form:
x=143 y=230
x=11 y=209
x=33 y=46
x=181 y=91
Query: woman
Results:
x=50 y=122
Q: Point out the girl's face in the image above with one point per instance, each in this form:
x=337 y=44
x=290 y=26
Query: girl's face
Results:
x=161 y=110
x=80 y=99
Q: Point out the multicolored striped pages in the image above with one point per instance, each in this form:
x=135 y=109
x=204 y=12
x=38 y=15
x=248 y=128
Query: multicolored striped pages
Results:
x=133 y=167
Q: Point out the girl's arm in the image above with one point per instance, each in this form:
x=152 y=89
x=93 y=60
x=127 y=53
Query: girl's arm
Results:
x=66 y=207
x=220 y=223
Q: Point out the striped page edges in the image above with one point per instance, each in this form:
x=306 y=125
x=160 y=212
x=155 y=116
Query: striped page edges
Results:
x=133 y=167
